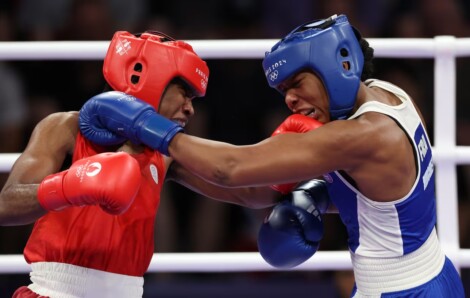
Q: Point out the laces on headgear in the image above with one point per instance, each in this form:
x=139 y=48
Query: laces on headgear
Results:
x=163 y=36
x=317 y=24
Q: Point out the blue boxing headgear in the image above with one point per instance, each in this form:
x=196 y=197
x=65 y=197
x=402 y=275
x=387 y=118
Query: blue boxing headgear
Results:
x=322 y=46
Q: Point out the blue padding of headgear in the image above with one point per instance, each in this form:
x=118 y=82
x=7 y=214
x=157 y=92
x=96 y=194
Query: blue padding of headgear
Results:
x=323 y=47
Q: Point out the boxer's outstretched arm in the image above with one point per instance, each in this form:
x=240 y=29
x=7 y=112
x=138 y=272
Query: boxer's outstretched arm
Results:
x=276 y=160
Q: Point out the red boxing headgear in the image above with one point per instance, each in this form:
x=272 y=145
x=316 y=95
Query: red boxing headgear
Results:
x=143 y=65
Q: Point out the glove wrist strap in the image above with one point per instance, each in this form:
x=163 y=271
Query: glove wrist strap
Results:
x=317 y=193
x=157 y=132
x=51 y=194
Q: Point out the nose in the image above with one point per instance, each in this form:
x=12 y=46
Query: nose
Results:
x=188 y=108
x=291 y=100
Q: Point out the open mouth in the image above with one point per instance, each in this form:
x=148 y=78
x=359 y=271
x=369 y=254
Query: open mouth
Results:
x=181 y=122
x=310 y=113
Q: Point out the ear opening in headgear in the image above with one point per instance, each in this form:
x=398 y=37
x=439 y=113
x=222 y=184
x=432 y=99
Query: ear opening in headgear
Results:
x=135 y=78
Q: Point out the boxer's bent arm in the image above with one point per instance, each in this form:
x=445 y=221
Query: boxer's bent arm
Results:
x=52 y=139
x=251 y=197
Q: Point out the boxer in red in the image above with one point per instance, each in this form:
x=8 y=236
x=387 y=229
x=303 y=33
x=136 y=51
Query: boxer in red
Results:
x=94 y=220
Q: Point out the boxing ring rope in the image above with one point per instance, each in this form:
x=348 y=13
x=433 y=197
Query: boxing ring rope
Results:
x=447 y=155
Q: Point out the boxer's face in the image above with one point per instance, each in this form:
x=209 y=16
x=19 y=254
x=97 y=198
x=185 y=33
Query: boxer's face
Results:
x=305 y=94
x=176 y=104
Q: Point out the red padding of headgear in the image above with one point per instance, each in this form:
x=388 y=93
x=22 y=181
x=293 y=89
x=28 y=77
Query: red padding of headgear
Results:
x=143 y=66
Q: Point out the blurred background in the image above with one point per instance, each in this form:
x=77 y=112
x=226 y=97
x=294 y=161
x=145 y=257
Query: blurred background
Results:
x=239 y=108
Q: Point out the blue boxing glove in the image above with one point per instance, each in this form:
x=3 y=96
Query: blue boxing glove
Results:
x=112 y=117
x=290 y=235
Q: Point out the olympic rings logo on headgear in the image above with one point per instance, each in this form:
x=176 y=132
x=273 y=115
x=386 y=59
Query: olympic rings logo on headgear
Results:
x=273 y=75
x=324 y=47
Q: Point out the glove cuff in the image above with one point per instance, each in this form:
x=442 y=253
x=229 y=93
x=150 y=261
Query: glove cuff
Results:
x=51 y=194
x=166 y=141
x=317 y=192
x=157 y=132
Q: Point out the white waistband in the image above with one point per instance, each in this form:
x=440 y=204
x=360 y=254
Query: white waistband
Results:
x=70 y=281
x=375 y=276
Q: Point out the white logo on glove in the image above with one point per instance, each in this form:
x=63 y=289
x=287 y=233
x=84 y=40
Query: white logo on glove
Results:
x=93 y=169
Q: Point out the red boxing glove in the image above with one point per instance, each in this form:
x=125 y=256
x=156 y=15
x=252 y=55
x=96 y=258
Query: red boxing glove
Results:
x=110 y=180
x=296 y=123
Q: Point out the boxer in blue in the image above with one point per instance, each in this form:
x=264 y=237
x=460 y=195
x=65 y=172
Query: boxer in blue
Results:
x=372 y=151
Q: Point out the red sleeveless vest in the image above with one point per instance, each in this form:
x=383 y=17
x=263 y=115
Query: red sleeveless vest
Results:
x=91 y=238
